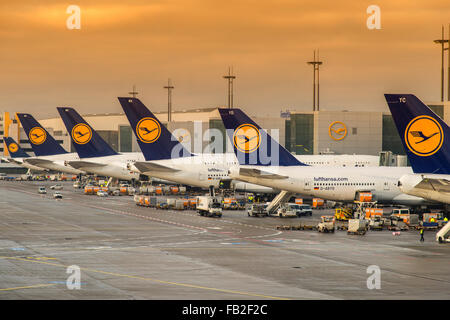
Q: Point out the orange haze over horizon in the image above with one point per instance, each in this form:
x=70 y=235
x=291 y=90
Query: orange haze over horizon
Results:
x=44 y=65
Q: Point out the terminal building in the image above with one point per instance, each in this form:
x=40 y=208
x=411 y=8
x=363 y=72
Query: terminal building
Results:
x=301 y=132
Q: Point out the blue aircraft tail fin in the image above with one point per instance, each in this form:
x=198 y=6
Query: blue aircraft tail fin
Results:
x=88 y=143
x=14 y=149
x=252 y=145
x=425 y=136
x=155 y=141
x=42 y=143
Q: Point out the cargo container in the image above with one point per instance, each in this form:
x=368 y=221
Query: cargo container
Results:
x=371 y=212
x=357 y=226
x=171 y=203
x=152 y=201
x=298 y=201
x=179 y=204
x=364 y=197
x=230 y=204
x=317 y=203
x=182 y=190
x=158 y=190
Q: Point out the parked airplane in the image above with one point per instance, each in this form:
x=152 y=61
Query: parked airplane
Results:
x=425 y=137
x=96 y=156
x=263 y=161
x=49 y=153
x=166 y=158
x=17 y=154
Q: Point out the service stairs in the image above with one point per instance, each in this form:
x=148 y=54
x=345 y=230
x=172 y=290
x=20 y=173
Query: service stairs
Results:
x=443 y=234
x=109 y=181
x=281 y=198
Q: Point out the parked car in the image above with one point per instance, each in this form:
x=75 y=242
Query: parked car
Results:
x=257 y=209
x=57 y=195
x=304 y=210
x=102 y=193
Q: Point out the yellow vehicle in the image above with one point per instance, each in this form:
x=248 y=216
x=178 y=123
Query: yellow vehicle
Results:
x=343 y=214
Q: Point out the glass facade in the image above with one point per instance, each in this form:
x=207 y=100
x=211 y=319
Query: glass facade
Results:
x=125 y=139
x=111 y=138
x=391 y=139
x=302 y=133
x=218 y=124
x=287 y=135
x=438 y=109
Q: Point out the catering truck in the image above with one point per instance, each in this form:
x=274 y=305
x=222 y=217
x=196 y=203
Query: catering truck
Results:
x=209 y=206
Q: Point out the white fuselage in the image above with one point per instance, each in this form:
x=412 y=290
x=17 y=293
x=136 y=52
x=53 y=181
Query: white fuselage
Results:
x=206 y=169
x=56 y=162
x=435 y=187
x=20 y=162
x=116 y=166
x=331 y=184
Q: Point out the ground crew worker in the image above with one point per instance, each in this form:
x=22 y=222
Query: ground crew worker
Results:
x=421 y=235
x=445 y=219
x=432 y=220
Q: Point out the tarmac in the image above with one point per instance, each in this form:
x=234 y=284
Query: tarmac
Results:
x=128 y=252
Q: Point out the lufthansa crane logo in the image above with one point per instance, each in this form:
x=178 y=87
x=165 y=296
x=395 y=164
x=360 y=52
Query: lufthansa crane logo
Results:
x=37 y=135
x=13 y=147
x=337 y=130
x=183 y=135
x=247 y=138
x=81 y=133
x=424 y=136
x=148 y=130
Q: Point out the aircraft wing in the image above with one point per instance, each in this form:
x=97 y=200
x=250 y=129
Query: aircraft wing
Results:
x=37 y=162
x=257 y=173
x=440 y=184
x=85 y=164
x=151 y=166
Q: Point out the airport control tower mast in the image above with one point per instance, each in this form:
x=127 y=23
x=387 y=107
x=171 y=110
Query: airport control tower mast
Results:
x=316 y=65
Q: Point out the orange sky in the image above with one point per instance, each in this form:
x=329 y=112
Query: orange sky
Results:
x=121 y=43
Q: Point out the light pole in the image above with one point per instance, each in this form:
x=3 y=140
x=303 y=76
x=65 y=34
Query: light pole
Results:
x=169 y=88
x=230 y=77
x=442 y=41
x=134 y=93
x=316 y=65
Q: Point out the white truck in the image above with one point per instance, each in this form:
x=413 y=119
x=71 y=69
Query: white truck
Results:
x=326 y=224
x=209 y=206
x=288 y=210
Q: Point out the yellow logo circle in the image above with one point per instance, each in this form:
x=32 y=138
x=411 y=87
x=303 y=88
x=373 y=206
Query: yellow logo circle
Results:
x=37 y=135
x=148 y=130
x=81 y=133
x=247 y=138
x=183 y=135
x=337 y=130
x=13 y=147
x=424 y=136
